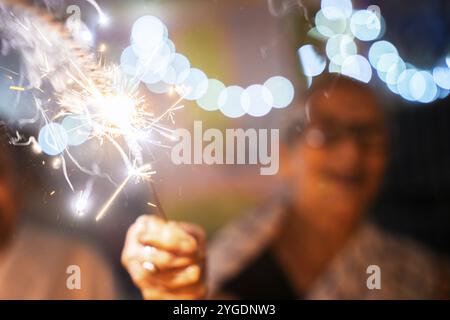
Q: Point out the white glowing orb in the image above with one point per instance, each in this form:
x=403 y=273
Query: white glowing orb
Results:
x=77 y=129
x=128 y=61
x=257 y=100
x=194 y=86
x=152 y=68
x=378 y=50
x=403 y=84
x=339 y=47
x=330 y=27
x=159 y=87
x=313 y=64
x=336 y=9
x=357 y=67
x=394 y=72
x=282 y=91
x=147 y=34
x=230 y=102
x=387 y=61
x=422 y=87
x=210 y=100
x=53 y=139
x=365 y=25
x=441 y=76
x=177 y=70
x=335 y=65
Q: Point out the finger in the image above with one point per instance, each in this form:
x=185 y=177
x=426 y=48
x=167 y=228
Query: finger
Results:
x=194 y=292
x=176 y=279
x=164 y=260
x=132 y=246
x=137 y=273
x=147 y=275
x=197 y=232
x=135 y=230
x=168 y=236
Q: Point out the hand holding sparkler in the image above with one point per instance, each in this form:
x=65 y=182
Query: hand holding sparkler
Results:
x=165 y=259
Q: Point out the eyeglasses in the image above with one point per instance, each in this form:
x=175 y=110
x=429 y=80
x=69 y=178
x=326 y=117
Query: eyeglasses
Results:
x=328 y=135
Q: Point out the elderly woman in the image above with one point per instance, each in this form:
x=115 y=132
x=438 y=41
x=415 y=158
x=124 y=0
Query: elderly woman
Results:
x=315 y=242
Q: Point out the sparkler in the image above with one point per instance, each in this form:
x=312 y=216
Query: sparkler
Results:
x=142 y=172
x=93 y=100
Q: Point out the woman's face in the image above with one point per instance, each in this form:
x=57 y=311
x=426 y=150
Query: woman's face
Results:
x=336 y=167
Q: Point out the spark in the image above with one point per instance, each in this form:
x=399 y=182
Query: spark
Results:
x=113 y=114
x=81 y=204
x=16 y=88
x=8 y=70
x=56 y=164
x=108 y=101
x=35 y=147
x=102 y=48
x=103 y=18
x=142 y=172
x=44 y=37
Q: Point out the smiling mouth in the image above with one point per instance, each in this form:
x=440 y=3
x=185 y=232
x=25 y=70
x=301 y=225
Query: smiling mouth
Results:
x=352 y=180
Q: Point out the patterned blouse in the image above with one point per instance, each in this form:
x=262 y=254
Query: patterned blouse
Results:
x=239 y=266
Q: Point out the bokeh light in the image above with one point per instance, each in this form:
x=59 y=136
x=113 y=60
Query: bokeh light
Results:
x=441 y=76
x=378 y=50
x=357 y=67
x=282 y=91
x=422 y=86
x=53 y=139
x=194 y=86
x=177 y=70
x=152 y=59
x=403 y=84
x=77 y=129
x=128 y=61
x=313 y=64
x=257 y=100
x=330 y=27
x=339 y=47
x=394 y=72
x=336 y=9
x=152 y=69
x=147 y=34
x=335 y=67
x=365 y=25
x=159 y=87
x=210 y=100
x=387 y=61
x=230 y=102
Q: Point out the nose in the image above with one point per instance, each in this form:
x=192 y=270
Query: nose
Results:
x=347 y=153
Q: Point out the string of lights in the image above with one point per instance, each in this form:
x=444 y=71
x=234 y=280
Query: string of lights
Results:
x=339 y=25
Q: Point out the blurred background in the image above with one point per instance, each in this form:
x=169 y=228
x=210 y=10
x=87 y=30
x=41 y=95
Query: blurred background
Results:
x=243 y=42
